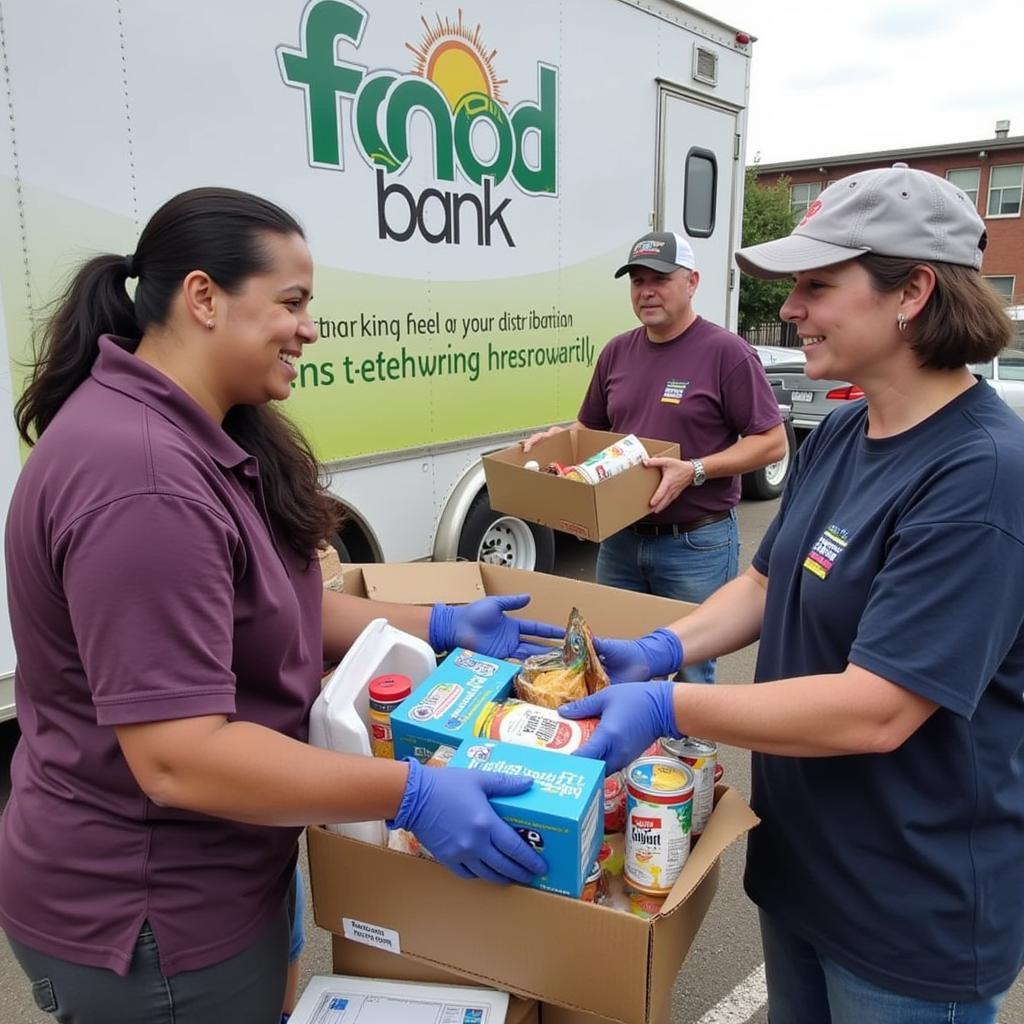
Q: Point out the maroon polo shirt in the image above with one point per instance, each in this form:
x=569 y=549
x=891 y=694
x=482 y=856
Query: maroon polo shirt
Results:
x=702 y=389
x=144 y=584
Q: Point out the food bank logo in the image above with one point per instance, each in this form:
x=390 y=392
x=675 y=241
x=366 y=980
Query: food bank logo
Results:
x=454 y=83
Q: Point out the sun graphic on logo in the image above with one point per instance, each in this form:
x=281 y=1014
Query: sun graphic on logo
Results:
x=456 y=61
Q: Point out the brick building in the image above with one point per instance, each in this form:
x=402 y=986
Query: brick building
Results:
x=990 y=171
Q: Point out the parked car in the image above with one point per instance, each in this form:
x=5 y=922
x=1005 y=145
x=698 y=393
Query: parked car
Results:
x=812 y=400
x=1006 y=374
x=772 y=354
x=768 y=482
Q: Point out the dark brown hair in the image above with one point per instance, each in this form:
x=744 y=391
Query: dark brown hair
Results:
x=964 y=320
x=222 y=232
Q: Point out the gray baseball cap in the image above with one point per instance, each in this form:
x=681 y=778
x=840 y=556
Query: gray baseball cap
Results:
x=664 y=251
x=893 y=211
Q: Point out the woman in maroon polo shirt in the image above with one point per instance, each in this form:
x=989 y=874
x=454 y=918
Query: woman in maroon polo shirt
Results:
x=170 y=628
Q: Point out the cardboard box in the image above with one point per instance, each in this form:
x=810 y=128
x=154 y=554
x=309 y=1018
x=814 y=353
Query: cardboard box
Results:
x=537 y=945
x=444 y=708
x=592 y=512
x=561 y=816
x=366 y=962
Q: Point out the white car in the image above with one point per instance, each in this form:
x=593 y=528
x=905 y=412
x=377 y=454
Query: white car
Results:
x=1006 y=374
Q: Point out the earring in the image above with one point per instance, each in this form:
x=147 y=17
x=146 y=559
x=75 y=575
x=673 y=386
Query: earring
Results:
x=209 y=324
x=901 y=322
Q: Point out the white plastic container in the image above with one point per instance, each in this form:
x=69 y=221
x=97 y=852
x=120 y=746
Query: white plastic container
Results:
x=340 y=716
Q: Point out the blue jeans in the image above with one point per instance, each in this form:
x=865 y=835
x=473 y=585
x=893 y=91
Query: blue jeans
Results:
x=805 y=987
x=685 y=567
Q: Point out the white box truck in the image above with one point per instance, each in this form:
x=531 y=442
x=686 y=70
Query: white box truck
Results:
x=469 y=176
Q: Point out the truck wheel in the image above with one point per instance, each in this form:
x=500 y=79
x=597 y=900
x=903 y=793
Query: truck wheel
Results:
x=489 y=536
x=769 y=481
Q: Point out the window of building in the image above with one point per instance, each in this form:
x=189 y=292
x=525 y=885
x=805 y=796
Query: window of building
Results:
x=801 y=196
x=1011 y=365
x=1004 y=190
x=699 y=193
x=968 y=180
x=1003 y=285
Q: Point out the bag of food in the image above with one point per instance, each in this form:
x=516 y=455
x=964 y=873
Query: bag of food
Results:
x=565 y=673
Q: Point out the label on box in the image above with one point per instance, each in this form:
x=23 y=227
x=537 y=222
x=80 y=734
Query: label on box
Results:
x=577 y=529
x=371 y=935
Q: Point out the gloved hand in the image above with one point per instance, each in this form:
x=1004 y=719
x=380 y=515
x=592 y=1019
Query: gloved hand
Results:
x=632 y=717
x=448 y=811
x=658 y=654
x=484 y=627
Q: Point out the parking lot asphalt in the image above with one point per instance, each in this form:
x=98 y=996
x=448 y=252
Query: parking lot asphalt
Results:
x=719 y=982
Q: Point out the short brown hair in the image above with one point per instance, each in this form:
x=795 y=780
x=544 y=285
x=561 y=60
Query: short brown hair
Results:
x=964 y=320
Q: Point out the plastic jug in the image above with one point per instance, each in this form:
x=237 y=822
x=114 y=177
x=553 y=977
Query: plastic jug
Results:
x=340 y=718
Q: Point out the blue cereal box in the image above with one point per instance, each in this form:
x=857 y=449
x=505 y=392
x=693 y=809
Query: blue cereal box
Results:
x=561 y=816
x=443 y=709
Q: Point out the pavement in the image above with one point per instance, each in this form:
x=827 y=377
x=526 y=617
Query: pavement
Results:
x=721 y=980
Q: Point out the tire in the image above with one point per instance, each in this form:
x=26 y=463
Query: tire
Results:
x=769 y=481
x=489 y=536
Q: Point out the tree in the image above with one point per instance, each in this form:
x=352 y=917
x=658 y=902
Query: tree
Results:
x=766 y=215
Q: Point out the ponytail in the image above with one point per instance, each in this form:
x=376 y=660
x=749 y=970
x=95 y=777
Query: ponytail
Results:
x=95 y=302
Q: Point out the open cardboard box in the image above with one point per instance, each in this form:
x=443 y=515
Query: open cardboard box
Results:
x=580 y=956
x=590 y=511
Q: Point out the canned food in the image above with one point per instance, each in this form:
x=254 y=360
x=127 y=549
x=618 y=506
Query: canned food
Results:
x=615 y=802
x=659 y=806
x=530 y=725
x=594 y=887
x=385 y=694
x=701 y=757
x=628 y=451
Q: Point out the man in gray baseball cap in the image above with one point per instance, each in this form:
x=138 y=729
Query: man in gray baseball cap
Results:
x=681 y=378
x=893 y=211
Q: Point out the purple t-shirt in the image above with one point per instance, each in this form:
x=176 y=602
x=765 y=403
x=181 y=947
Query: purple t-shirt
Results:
x=703 y=390
x=144 y=584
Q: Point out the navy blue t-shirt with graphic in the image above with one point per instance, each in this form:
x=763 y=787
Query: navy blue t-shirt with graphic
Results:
x=904 y=556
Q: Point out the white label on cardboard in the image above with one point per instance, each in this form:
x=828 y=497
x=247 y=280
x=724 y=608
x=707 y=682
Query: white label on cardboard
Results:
x=371 y=935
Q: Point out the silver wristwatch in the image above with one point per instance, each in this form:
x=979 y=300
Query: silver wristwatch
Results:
x=699 y=476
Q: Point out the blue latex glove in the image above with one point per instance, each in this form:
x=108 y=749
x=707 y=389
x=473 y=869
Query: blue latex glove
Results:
x=658 y=654
x=632 y=717
x=484 y=627
x=448 y=811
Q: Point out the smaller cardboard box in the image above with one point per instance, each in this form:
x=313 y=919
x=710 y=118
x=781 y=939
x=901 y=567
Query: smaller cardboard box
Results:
x=444 y=708
x=561 y=816
x=590 y=511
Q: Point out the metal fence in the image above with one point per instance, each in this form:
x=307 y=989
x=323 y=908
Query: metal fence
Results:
x=773 y=333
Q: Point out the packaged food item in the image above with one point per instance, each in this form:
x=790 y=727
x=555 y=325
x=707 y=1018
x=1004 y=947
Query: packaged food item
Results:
x=701 y=757
x=441 y=757
x=613 y=854
x=594 y=887
x=530 y=725
x=614 y=802
x=628 y=451
x=385 y=693
x=659 y=807
x=644 y=904
x=566 y=673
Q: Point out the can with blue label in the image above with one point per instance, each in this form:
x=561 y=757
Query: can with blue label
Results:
x=659 y=811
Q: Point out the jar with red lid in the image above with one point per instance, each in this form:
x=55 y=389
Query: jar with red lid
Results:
x=385 y=692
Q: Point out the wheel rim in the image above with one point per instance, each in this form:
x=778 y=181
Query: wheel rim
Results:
x=508 y=542
x=775 y=472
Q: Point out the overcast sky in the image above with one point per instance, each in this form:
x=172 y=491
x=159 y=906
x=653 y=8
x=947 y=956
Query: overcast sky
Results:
x=833 y=78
